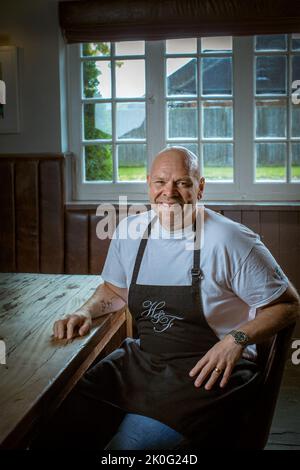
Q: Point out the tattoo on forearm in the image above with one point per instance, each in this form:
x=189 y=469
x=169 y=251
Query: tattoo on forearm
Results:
x=106 y=305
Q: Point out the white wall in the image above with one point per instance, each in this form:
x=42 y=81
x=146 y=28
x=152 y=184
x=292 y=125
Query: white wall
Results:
x=32 y=26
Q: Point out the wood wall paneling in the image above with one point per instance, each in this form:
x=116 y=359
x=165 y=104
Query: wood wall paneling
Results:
x=252 y=220
x=289 y=245
x=7 y=218
x=51 y=217
x=235 y=215
x=32 y=213
x=97 y=248
x=76 y=243
x=27 y=216
x=269 y=229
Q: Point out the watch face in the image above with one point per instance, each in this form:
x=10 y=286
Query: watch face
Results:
x=241 y=337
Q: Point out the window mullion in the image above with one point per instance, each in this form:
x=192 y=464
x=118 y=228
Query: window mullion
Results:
x=243 y=82
x=155 y=101
x=288 y=114
x=199 y=101
x=74 y=116
x=113 y=115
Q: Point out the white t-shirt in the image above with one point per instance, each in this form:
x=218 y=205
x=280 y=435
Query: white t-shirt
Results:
x=240 y=274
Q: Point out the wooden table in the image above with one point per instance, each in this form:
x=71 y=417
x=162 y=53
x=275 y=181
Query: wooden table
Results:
x=39 y=370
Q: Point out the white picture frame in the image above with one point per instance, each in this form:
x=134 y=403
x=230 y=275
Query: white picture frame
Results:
x=10 y=112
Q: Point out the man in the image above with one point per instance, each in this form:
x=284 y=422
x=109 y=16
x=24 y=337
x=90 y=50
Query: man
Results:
x=199 y=313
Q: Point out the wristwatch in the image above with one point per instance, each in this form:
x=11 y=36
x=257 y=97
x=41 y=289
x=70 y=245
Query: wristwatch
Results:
x=240 y=337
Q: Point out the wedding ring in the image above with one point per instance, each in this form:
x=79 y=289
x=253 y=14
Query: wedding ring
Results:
x=217 y=370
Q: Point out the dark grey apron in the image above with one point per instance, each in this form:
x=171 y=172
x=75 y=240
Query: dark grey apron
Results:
x=150 y=375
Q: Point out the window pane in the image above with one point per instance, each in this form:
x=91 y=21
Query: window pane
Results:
x=296 y=42
x=130 y=48
x=296 y=68
x=296 y=120
x=181 y=46
x=182 y=76
x=271 y=118
x=217 y=76
x=271 y=42
x=98 y=162
x=216 y=44
x=131 y=121
x=96 y=79
x=130 y=78
x=271 y=74
x=218 y=162
x=271 y=162
x=217 y=119
x=182 y=119
x=96 y=49
x=132 y=162
x=296 y=161
x=97 y=121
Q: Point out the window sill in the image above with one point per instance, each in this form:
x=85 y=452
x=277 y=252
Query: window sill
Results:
x=216 y=205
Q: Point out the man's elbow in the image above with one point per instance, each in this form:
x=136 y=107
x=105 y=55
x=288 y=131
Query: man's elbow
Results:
x=296 y=305
x=290 y=304
x=291 y=296
x=296 y=310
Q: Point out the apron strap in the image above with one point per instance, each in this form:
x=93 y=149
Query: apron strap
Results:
x=196 y=272
x=141 y=250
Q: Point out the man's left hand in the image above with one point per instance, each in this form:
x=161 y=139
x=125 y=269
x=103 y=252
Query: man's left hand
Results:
x=219 y=360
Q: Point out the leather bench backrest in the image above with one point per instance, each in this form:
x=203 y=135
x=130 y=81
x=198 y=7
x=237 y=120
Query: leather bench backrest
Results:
x=32 y=213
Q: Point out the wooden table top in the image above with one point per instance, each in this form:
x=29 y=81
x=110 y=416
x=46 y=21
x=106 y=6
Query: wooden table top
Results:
x=40 y=370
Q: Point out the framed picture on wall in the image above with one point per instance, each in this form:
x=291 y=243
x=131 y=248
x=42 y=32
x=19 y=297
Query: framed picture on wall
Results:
x=9 y=111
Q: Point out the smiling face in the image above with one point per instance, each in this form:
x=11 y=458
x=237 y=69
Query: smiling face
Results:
x=174 y=188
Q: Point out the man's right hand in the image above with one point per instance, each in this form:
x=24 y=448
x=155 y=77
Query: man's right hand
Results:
x=72 y=325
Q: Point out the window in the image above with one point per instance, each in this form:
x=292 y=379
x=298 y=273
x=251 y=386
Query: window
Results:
x=114 y=112
x=199 y=102
x=227 y=99
x=277 y=124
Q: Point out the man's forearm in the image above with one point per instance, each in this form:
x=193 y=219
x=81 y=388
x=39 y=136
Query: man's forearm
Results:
x=270 y=320
x=103 y=301
x=223 y=356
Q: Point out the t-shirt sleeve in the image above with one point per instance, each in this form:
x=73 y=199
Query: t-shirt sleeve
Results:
x=260 y=280
x=113 y=269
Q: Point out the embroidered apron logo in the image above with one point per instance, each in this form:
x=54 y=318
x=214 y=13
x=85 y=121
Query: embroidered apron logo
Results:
x=158 y=316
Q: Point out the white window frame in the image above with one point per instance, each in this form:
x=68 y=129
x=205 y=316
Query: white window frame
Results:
x=243 y=188
x=245 y=112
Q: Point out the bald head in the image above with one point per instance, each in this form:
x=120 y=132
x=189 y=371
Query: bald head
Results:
x=187 y=157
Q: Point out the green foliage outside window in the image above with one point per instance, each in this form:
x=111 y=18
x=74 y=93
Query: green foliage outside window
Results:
x=98 y=158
